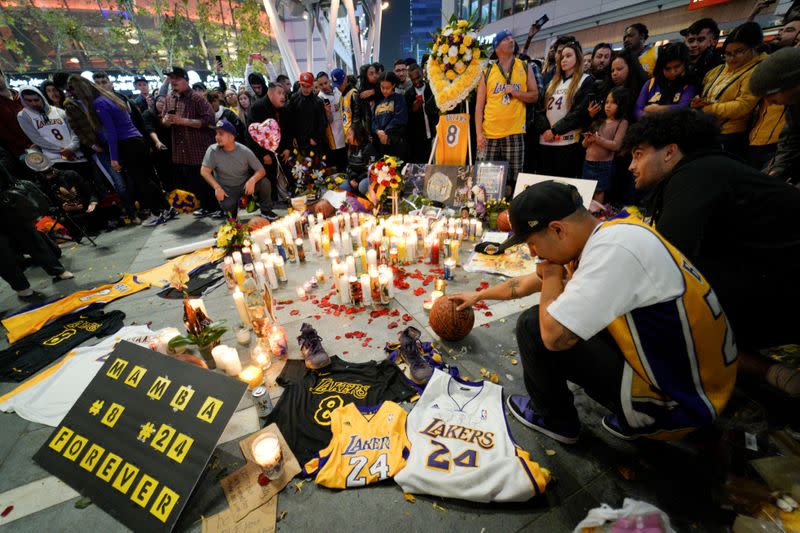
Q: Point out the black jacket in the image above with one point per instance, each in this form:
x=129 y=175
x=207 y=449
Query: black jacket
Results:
x=261 y=110
x=416 y=120
x=307 y=120
x=734 y=223
x=578 y=115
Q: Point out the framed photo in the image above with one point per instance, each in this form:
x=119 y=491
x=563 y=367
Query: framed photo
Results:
x=449 y=185
x=415 y=179
x=585 y=187
x=492 y=175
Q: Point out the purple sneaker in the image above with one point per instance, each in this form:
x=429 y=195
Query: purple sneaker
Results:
x=618 y=427
x=410 y=352
x=311 y=347
x=520 y=407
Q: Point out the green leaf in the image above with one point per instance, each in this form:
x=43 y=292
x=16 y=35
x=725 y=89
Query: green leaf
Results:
x=83 y=503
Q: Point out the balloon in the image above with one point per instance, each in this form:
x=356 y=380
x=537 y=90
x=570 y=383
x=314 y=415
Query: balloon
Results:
x=267 y=134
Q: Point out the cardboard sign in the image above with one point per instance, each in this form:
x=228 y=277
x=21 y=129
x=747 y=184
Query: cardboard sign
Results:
x=140 y=435
x=585 y=187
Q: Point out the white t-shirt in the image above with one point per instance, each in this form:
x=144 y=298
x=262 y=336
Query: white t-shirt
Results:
x=337 y=126
x=48 y=396
x=622 y=268
x=557 y=108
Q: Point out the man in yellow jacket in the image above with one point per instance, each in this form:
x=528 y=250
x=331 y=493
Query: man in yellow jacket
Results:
x=726 y=92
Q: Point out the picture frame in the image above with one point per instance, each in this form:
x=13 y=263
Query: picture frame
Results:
x=492 y=175
x=414 y=179
x=448 y=185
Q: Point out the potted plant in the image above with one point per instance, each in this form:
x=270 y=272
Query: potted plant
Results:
x=493 y=210
x=205 y=338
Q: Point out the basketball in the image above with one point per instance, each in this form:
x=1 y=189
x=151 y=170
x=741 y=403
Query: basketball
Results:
x=449 y=324
x=503 y=223
x=257 y=223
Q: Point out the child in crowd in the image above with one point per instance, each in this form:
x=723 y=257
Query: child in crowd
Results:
x=671 y=87
x=361 y=154
x=605 y=140
x=389 y=119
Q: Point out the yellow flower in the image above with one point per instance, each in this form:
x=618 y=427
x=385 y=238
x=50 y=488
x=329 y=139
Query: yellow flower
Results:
x=452 y=60
x=443 y=49
x=460 y=67
x=462 y=23
x=467 y=40
x=476 y=54
x=450 y=75
x=462 y=49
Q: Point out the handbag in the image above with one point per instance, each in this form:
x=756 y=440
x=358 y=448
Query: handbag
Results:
x=24 y=200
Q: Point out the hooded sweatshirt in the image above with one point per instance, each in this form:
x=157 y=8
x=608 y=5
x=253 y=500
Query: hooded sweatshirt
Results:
x=48 y=129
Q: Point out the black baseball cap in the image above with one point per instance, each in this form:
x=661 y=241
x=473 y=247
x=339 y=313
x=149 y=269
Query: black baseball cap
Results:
x=533 y=209
x=177 y=71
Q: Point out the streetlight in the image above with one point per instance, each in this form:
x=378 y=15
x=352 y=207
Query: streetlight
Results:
x=384 y=5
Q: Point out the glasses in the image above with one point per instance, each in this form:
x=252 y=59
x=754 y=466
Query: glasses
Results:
x=737 y=53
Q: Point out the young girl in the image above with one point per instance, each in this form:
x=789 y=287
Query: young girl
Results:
x=671 y=87
x=361 y=154
x=244 y=106
x=389 y=119
x=605 y=140
x=566 y=112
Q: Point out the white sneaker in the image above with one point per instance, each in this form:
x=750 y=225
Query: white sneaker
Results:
x=152 y=220
x=66 y=275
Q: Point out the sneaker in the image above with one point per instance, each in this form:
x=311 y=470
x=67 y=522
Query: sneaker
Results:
x=620 y=428
x=218 y=215
x=65 y=275
x=25 y=293
x=269 y=214
x=153 y=220
x=171 y=214
x=201 y=213
x=410 y=352
x=520 y=407
x=311 y=348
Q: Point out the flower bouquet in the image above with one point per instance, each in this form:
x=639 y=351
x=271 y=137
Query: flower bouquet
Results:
x=456 y=63
x=311 y=174
x=385 y=177
x=231 y=235
x=493 y=209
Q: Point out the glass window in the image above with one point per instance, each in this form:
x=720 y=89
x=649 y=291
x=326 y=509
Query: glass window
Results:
x=485 y=4
x=519 y=6
x=495 y=9
x=508 y=8
x=473 y=7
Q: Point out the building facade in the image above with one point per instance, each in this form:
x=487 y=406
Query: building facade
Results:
x=425 y=17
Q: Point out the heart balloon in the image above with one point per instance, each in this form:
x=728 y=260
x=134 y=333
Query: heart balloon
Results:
x=267 y=134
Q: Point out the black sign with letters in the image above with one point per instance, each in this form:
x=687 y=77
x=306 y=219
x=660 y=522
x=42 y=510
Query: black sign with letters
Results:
x=140 y=435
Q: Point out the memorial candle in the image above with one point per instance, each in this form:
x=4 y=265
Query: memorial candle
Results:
x=272 y=277
x=256 y=251
x=217 y=353
x=227 y=270
x=280 y=269
x=326 y=245
x=351 y=266
x=261 y=274
x=301 y=253
x=435 y=252
x=237 y=258
x=238 y=273
x=366 y=291
x=277 y=342
x=241 y=306
x=266 y=450
x=372 y=259
x=233 y=366
x=252 y=375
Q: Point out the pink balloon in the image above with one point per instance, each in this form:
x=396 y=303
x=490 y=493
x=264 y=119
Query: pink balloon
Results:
x=267 y=134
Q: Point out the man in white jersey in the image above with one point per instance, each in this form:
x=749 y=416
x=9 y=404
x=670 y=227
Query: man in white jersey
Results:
x=47 y=128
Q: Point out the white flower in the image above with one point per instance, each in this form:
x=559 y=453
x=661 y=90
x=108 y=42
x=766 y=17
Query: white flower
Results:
x=459 y=65
x=453 y=52
x=468 y=55
x=447 y=31
x=473 y=35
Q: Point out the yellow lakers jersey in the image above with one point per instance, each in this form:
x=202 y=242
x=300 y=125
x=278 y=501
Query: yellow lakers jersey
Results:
x=452 y=139
x=347 y=110
x=504 y=115
x=368 y=446
x=680 y=354
x=24 y=324
x=160 y=275
x=648 y=60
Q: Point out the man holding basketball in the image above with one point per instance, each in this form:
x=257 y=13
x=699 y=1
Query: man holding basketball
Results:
x=635 y=323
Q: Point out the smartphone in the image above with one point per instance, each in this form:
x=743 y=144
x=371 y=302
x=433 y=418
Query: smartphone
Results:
x=541 y=21
x=218 y=59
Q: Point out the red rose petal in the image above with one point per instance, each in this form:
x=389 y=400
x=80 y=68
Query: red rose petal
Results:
x=392 y=325
x=407 y=318
x=7 y=510
x=294 y=312
x=487 y=313
x=419 y=292
x=338 y=337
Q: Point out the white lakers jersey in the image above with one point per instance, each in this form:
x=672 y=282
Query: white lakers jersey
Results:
x=368 y=446
x=461 y=446
x=558 y=105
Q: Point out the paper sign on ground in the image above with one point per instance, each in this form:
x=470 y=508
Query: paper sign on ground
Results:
x=261 y=520
x=585 y=187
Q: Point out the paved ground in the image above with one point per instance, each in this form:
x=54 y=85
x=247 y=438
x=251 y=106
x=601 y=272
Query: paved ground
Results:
x=599 y=469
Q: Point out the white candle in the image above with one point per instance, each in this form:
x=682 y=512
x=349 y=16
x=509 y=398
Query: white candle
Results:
x=255 y=249
x=280 y=269
x=217 y=353
x=411 y=247
x=372 y=259
x=261 y=356
x=164 y=336
x=301 y=292
x=366 y=291
x=243 y=336
x=241 y=307
x=272 y=278
x=266 y=450
x=347 y=243
x=351 y=266
x=478 y=229
x=237 y=257
x=233 y=366
x=435 y=295
x=261 y=274
x=347 y=223
x=337 y=243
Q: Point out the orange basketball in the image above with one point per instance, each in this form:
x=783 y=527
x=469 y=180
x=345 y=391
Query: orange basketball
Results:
x=447 y=322
x=257 y=223
x=503 y=223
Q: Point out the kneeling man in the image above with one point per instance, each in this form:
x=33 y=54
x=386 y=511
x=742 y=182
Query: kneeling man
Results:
x=633 y=323
x=233 y=170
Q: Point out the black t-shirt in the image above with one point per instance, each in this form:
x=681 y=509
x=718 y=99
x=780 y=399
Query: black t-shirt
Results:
x=29 y=355
x=303 y=413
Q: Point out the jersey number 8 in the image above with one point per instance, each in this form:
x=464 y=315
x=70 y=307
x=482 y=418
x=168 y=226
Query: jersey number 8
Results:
x=453 y=133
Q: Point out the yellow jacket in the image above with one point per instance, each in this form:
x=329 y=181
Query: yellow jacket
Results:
x=729 y=90
x=770 y=119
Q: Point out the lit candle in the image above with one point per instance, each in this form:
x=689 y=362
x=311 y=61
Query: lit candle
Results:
x=256 y=251
x=266 y=450
x=455 y=245
x=301 y=254
x=460 y=234
x=473 y=229
x=237 y=258
x=252 y=375
x=230 y=358
x=375 y=285
x=385 y=284
x=372 y=259
x=241 y=306
x=320 y=276
x=351 y=266
x=247 y=255
x=261 y=274
x=319 y=218
x=227 y=270
x=449 y=268
x=238 y=273
x=280 y=269
x=478 y=229
x=277 y=342
x=435 y=251
x=272 y=278
x=411 y=247
x=401 y=251
x=217 y=353
x=326 y=244
x=301 y=293
x=366 y=291
x=260 y=355
x=435 y=295
x=337 y=243
x=280 y=247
